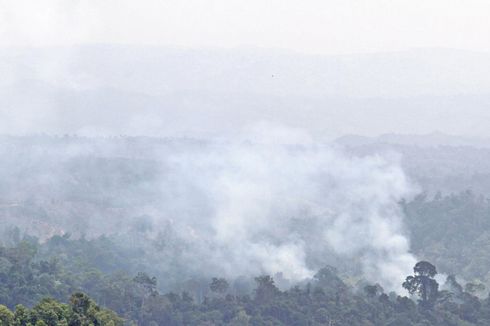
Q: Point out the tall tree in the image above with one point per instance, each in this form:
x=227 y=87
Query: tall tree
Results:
x=266 y=289
x=423 y=283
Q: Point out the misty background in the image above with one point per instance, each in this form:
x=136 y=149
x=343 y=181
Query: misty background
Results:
x=154 y=91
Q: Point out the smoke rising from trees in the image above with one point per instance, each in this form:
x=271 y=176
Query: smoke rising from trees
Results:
x=270 y=207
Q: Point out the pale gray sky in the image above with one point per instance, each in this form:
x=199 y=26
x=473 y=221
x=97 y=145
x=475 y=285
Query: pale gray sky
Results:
x=313 y=26
x=195 y=91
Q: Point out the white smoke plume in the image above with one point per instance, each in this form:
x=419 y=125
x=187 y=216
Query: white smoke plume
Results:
x=275 y=204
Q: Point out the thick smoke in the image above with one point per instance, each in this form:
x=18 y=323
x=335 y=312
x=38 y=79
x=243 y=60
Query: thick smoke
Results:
x=266 y=206
x=271 y=201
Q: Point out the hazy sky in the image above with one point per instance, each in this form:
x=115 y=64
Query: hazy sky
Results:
x=314 y=26
x=190 y=86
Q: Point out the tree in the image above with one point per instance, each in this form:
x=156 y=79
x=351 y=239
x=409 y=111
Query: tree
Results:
x=21 y=315
x=49 y=311
x=6 y=316
x=219 y=285
x=145 y=288
x=240 y=319
x=327 y=279
x=147 y=283
x=266 y=289
x=373 y=290
x=423 y=283
x=80 y=303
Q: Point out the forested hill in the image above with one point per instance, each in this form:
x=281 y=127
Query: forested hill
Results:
x=78 y=215
x=90 y=187
x=436 y=162
x=29 y=277
x=61 y=184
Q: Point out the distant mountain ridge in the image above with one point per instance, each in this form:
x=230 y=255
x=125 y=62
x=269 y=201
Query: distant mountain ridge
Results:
x=134 y=90
x=154 y=70
x=434 y=139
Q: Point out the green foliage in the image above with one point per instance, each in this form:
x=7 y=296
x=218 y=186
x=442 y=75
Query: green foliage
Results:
x=451 y=231
x=326 y=300
x=44 y=284
x=6 y=316
x=81 y=311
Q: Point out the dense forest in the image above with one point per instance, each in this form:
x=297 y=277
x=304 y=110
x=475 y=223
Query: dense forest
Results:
x=83 y=219
x=32 y=271
x=28 y=280
x=453 y=231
